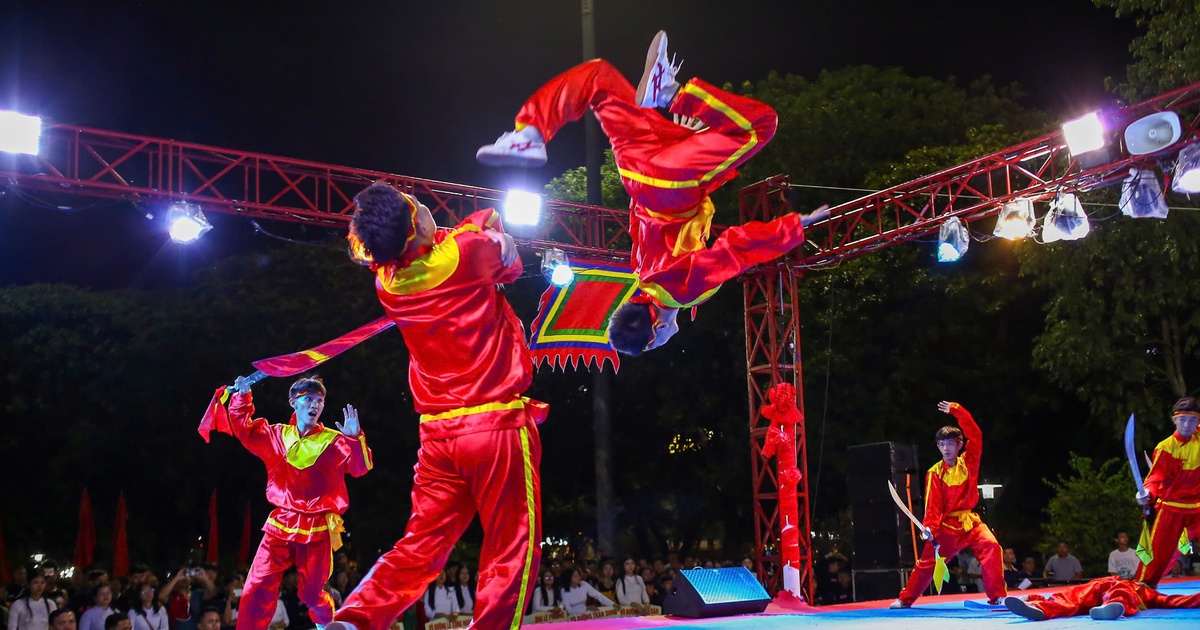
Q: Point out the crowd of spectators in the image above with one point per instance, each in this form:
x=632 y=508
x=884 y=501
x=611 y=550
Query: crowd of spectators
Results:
x=835 y=574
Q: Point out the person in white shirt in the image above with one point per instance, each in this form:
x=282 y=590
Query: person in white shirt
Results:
x=546 y=595
x=439 y=599
x=32 y=611
x=631 y=590
x=93 y=618
x=1123 y=561
x=464 y=591
x=148 y=613
x=575 y=593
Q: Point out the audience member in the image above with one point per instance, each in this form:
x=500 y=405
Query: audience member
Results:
x=1123 y=561
x=1062 y=566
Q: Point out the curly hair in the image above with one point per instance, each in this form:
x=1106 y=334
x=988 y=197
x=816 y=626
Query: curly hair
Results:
x=382 y=222
x=631 y=328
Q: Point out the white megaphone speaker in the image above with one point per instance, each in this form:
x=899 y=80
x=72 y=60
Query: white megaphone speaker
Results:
x=1153 y=133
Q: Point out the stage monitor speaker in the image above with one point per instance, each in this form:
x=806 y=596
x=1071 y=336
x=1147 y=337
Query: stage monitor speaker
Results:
x=716 y=593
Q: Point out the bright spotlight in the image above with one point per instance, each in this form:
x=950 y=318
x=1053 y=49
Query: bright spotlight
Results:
x=19 y=133
x=953 y=240
x=186 y=222
x=1141 y=196
x=1084 y=134
x=1066 y=220
x=556 y=267
x=522 y=208
x=1187 y=170
x=1016 y=220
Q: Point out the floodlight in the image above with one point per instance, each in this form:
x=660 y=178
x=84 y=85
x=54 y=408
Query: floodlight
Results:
x=953 y=240
x=1153 y=133
x=556 y=267
x=186 y=222
x=1016 y=220
x=1066 y=220
x=522 y=208
x=19 y=133
x=1084 y=134
x=1187 y=170
x=1142 y=196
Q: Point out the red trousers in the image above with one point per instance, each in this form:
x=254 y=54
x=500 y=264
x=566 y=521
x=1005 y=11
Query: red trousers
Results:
x=664 y=166
x=494 y=473
x=314 y=565
x=1076 y=600
x=1169 y=524
x=978 y=538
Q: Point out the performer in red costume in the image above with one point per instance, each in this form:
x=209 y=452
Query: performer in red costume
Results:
x=1173 y=491
x=951 y=492
x=669 y=169
x=306 y=467
x=468 y=366
x=1104 y=598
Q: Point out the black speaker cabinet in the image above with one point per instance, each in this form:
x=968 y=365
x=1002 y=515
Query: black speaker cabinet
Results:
x=716 y=593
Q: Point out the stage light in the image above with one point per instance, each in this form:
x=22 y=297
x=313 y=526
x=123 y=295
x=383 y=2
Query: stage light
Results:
x=1016 y=220
x=186 y=222
x=19 y=133
x=1187 y=170
x=522 y=208
x=1066 y=220
x=556 y=267
x=1084 y=134
x=953 y=240
x=1153 y=133
x=1142 y=196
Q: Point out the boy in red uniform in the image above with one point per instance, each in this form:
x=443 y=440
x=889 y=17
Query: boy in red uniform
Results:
x=1104 y=598
x=468 y=366
x=951 y=492
x=306 y=467
x=1172 y=490
x=669 y=170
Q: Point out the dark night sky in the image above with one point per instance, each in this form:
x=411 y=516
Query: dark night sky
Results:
x=415 y=88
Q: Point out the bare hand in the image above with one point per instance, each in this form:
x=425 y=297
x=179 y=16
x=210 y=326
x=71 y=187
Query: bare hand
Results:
x=927 y=534
x=508 y=247
x=1143 y=498
x=350 y=428
x=944 y=406
x=695 y=124
x=814 y=216
x=240 y=386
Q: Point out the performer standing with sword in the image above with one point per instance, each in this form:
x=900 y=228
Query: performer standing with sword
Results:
x=951 y=492
x=1171 y=495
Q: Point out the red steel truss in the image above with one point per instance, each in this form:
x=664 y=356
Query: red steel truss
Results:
x=976 y=190
x=114 y=165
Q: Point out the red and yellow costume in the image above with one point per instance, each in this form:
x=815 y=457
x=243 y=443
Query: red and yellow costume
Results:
x=306 y=482
x=480 y=449
x=669 y=171
x=1134 y=596
x=1174 y=486
x=951 y=493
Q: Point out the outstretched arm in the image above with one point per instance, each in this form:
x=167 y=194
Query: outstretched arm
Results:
x=255 y=435
x=359 y=459
x=974 y=446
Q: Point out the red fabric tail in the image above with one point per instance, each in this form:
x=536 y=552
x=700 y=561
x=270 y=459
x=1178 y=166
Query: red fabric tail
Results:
x=216 y=417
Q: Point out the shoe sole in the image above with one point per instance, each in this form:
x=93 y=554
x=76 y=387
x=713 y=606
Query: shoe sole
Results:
x=1018 y=607
x=1107 y=612
x=647 y=72
x=491 y=159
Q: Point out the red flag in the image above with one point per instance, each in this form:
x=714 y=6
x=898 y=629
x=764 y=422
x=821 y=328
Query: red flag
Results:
x=571 y=326
x=210 y=554
x=243 y=556
x=120 y=566
x=85 y=543
x=5 y=575
x=297 y=362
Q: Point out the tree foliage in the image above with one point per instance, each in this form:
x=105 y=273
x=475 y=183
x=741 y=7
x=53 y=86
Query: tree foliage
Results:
x=1088 y=508
x=1167 y=54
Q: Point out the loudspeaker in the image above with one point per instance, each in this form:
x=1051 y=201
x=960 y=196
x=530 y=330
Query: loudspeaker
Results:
x=882 y=536
x=716 y=593
x=1153 y=133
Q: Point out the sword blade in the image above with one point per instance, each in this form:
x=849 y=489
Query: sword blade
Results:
x=1131 y=455
x=904 y=508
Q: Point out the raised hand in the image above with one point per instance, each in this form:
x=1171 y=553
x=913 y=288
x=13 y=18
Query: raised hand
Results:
x=240 y=386
x=944 y=406
x=350 y=428
x=695 y=124
x=508 y=247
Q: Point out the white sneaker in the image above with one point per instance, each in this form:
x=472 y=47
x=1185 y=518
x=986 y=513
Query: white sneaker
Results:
x=1107 y=612
x=514 y=148
x=897 y=605
x=658 y=86
x=340 y=625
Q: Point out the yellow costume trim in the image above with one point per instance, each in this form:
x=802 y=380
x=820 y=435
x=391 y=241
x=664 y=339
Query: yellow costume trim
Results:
x=531 y=504
x=661 y=295
x=333 y=524
x=362 y=442
x=693 y=234
x=303 y=452
x=466 y=411
x=428 y=271
x=1188 y=453
x=955 y=475
x=1183 y=506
